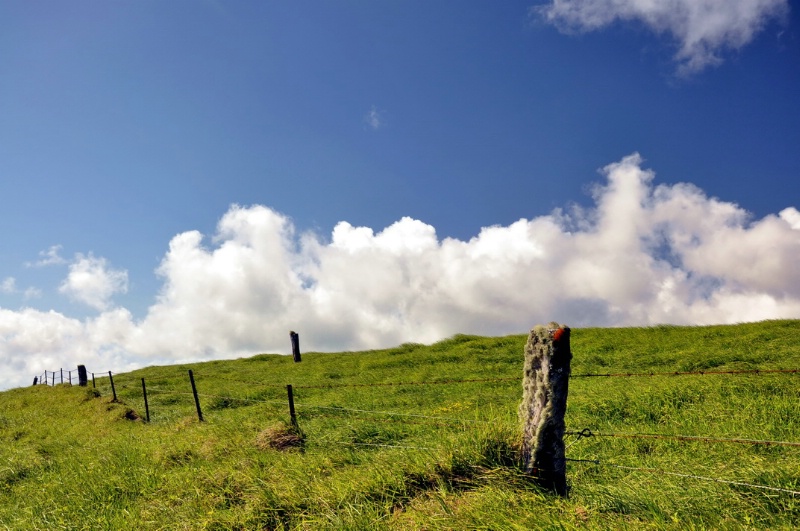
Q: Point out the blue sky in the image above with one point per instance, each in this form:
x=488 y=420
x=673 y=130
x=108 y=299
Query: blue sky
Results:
x=418 y=133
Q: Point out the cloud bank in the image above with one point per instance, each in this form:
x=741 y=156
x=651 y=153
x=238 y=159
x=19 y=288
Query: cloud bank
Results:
x=643 y=254
x=703 y=29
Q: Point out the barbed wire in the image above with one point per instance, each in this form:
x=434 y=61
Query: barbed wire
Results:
x=406 y=421
x=688 y=476
x=686 y=373
x=255 y=400
x=405 y=447
x=586 y=433
x=262 y=384
x=389 y=384
x=393 y=413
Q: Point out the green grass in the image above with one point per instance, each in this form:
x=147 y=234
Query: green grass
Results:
x=440 y=456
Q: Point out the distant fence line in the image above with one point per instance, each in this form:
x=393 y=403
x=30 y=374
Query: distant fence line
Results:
x=54 y=377
x=72 y=377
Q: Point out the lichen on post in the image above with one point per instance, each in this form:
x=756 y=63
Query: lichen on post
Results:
x=544 y=403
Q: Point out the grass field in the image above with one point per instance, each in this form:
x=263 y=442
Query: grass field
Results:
x=422 y=456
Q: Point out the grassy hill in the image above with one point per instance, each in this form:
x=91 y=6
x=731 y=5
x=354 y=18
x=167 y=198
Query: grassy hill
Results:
x=436 y=453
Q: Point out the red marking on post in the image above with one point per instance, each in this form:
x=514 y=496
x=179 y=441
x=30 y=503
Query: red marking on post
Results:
x=558 y=333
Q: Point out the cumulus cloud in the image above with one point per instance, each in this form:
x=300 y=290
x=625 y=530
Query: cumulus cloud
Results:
x=643 y=254
x=92 y=282
x=703 y=29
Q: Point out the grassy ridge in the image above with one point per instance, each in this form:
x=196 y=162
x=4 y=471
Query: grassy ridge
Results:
x=414 y=456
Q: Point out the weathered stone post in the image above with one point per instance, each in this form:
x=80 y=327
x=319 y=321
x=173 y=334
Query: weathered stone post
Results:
x=295 y=346
x=544 y=403
x=83 y=378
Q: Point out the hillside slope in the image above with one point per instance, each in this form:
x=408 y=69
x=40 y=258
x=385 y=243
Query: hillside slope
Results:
x=418 y=437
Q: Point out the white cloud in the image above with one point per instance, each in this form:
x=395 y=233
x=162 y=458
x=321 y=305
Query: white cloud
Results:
x=791 y=216
x=8 y=285
x=703 y=29
x=92 y=282
x=32 y=293
x=643 y=254
x=374 y=119
x=49 y=257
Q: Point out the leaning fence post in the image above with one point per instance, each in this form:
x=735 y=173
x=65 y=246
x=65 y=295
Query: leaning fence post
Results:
x=544 y=403
x=196 y=399
x=113 y=390
x=82 y=378
x=295 y=346
x=146 y=407
x=291 y=405
x=94 y=385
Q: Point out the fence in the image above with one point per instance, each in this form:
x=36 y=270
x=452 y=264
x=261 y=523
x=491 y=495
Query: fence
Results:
x=297 y=403
x=57 y=377
x=73 y=377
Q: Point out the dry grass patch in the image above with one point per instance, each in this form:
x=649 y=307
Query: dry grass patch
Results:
x=280 y=437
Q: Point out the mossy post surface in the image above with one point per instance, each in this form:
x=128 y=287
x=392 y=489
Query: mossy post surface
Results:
x=544 y=403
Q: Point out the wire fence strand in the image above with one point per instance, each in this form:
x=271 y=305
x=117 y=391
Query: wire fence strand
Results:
x=390 y=384
x=686 y=373
x=689 y=476
x=394 y=413
x=585 y=433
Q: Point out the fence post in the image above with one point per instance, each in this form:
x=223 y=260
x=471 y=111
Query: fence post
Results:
x=196 y=399
x=113 y=390
x=62 y=375
x=54 y=378
x=82 y=379
x=295 y=346
x=544 y=403
x=35 y=380
x=69 y=373
x=146 y=407
x=291 y=406
x=94 y=385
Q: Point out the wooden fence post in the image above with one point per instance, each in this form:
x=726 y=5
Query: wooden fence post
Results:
x=35 y=380
x=94 y=385
x=196 y=399
x=113 y=389
x=62 y=375
x=82 y=378
x=544 y=403
x=54 y=378
x=146 y=407
x=291 y=406
x=295 y=346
